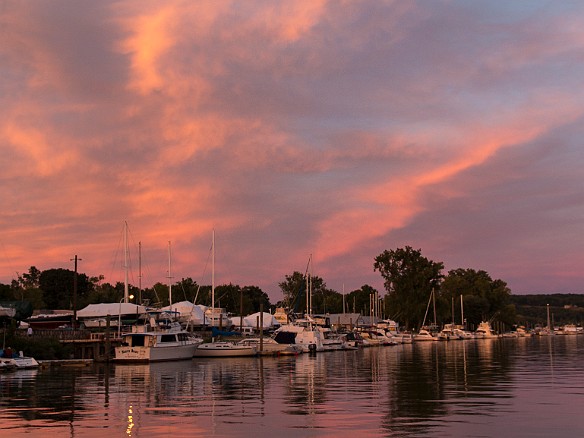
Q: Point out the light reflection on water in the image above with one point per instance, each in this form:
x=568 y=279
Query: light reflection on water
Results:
x=501 y=387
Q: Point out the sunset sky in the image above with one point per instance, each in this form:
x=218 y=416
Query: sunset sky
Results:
x=332 y=128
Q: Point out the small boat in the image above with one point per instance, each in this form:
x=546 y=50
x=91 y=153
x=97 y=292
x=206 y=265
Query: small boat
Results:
x=13 y=360
x=403 y=338
x=463 y=334
x=50 y=320
x=424 y=335
x=7 y=312
x=225 y=349
x=569 y=329
x=448 y=333
x=353 y=340
x=484 y=331
x=271 y=346
x=157 y=346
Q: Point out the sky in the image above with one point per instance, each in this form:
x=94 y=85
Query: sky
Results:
x=330 y=130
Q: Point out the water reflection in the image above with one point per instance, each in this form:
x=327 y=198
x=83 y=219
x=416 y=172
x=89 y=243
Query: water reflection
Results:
x=484 y=387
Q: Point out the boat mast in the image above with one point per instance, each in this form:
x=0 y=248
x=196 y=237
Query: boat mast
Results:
x=309 y=287
x=126 y=288
x=311 y=274
x=462 y=312
x=427 y=308
x=434 y=303
x=213 y=273
x=139 y=272
x=169 y=278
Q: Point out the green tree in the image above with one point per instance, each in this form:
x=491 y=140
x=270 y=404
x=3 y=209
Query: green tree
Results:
x=31 y=279
x=57 y=287
x=327 y=301
x=359 y=300
x=294 y=291
x=409 y=280
x=256 y=297
x=484 y=299
x=6 y=292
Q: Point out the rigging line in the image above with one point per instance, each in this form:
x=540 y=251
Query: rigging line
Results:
x=203 y=275
x=116 y=252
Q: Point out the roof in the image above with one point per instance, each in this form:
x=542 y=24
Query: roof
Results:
x=103 y=309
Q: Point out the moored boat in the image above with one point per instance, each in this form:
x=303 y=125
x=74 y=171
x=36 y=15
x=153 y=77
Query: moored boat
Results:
x=484 y=331
x=270 y=346
x=424 y=335
x=13 y=360
x=157 y=346
x=225 y=349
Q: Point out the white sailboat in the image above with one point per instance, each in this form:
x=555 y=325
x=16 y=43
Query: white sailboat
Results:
x=218 y=318
x=424 y=334
x=305 y=332
x=461 y=329
x=215 y=316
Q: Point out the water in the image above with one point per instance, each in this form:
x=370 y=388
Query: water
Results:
x=530 y=387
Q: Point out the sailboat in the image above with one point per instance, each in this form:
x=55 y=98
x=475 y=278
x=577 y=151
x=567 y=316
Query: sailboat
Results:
x=217 y=317
x=305 y=332
x=424 y=334
x=460 y=330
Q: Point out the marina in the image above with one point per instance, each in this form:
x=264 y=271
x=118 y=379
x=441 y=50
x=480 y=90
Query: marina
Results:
x=530 y=386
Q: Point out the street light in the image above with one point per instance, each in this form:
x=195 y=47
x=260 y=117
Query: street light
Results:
x=120 y=315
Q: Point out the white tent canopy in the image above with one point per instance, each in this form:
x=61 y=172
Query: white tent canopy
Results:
x=188 y=312
x=113 y=309
x=253 y=320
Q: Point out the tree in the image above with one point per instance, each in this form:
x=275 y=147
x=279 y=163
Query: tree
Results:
x=255 y=297
x=57 y=287
x=6 y=293
x=294 y=291
x=409 y=280
x=30 y=280
x=484 y=299
x=359 y=300
x=327 y=301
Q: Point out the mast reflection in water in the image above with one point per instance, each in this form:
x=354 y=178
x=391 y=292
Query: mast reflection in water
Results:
x=490 y=387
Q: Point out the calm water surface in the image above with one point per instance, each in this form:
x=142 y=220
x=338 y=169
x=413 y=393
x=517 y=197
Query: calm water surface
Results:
x=529 y=387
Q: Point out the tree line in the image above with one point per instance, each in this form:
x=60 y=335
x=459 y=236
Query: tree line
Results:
x=409 y=280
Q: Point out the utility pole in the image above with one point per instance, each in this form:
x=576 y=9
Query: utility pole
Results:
x=75 y=293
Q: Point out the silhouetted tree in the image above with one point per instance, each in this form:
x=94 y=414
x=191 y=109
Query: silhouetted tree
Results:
x=409 y=280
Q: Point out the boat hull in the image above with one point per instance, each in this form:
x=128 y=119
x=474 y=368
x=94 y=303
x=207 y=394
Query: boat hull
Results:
x=156 y=347
x=154 y=354
x=224 y=349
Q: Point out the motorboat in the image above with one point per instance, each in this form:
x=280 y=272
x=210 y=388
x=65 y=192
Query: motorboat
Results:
x=13 y=360
x=353 y=340
x=424 y=335
x=303 y=332
x=225 y=349
x=403 y=338
x=271 y=346
x=157 y=345
x=484 y=331
x=50 y=320
x=448 y=333
x=462 y=334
